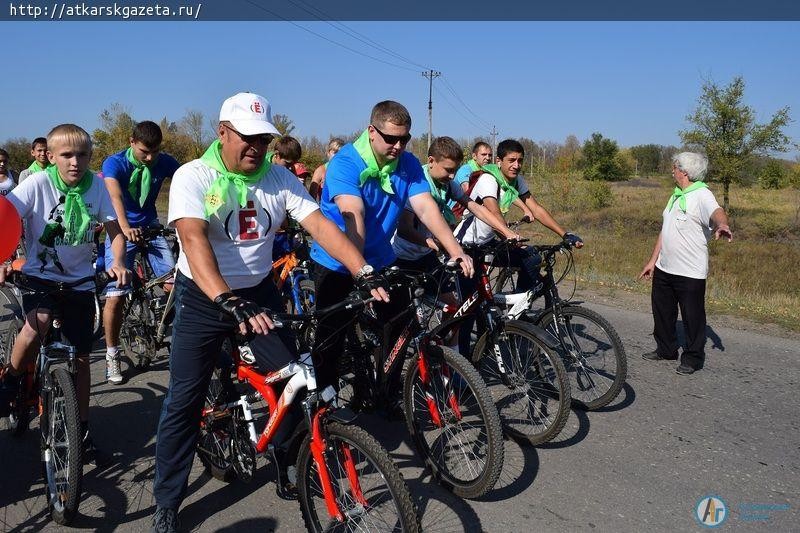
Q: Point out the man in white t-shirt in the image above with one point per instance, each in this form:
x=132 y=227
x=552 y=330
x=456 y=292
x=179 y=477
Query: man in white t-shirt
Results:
x=679 y=263
x=226 y=207
x=497 y=189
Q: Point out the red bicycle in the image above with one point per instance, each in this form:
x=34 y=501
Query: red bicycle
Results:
x=346 y=480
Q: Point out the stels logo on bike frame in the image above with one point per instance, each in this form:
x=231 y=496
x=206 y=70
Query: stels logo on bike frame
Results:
x=398 y=347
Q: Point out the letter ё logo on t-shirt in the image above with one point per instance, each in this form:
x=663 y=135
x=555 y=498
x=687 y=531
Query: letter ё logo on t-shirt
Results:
x=248 y=224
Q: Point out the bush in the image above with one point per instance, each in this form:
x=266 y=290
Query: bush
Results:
x=599 y=195
x=772 y=176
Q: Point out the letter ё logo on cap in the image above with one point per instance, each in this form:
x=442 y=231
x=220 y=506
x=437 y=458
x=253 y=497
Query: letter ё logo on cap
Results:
x=256 y=107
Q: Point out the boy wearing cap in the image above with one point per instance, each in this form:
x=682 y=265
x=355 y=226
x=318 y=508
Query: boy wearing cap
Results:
x=133 y=178
x=226 y=207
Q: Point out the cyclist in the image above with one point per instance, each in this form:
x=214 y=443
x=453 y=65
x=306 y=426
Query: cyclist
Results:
x=133 y=178
x=481 y=155
x=367 y=186
x=61 y=207
x=286 y=152
x=40 y=160
x=6 y=176
x=318 y=178
x=496 y=189
x=226 y=207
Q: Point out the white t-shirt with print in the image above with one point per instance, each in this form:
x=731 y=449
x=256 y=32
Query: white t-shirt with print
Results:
x=7 y=184
x=39 y=203
x=684 y=236
x=410 y=251
x=241 y=237
x=474 y=231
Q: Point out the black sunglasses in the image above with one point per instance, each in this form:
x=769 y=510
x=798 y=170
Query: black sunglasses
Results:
x=262 y=138
x=393 y=139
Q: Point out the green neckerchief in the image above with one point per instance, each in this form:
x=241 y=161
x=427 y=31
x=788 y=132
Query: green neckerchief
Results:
x=141 y=179
x=219 y=188
x=473 y=165
x=76 y=217
x=364 y=149
x=36 y=167
x=680 y=195
x=509 y=192
x=440 y=195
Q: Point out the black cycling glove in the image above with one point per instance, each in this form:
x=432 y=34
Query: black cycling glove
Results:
x=240 y=309
x=572 y=240
x=372 y=281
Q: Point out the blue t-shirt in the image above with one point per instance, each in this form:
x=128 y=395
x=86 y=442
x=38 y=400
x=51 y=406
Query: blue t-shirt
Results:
x=463 y=173
x=119 y=168
x=381 y=210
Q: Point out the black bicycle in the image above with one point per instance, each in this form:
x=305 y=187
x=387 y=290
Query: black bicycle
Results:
x=590 y=347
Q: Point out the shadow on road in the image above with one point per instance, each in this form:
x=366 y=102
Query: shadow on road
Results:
x=625 y=399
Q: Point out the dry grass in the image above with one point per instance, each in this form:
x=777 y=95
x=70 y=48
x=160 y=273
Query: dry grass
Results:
x=755 y=276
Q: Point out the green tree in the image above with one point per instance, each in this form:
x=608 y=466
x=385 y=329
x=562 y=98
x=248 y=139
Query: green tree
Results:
x=601 y=160
x=647 y=158
x=773 y=175
x=114 y=133
x=283 y=123
x=726 y=130
x=19 y=154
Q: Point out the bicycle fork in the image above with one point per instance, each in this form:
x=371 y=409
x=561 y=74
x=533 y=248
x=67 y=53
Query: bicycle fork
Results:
x=425 y=377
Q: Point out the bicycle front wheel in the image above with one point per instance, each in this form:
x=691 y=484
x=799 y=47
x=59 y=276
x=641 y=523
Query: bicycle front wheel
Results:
x=454 y=423
x=368 y=490
x=592 y=353
x=527 y=380
x=62 y=447
x=19 y=417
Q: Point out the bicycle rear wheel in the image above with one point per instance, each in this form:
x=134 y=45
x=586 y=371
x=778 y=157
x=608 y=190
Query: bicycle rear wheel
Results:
x=137 y=332
x=592 y=352
x=214 y=444
x=527 y=380
x=454 y=423
x=62 y=447
x=368 y=489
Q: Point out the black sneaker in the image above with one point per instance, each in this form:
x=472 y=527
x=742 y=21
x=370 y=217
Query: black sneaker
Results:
x=165 y=521
x=654 y=356
x=684 y=369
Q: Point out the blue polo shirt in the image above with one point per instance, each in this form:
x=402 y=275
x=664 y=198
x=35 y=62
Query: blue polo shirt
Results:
x=119 y=168
x=381 y=210
x=462 y=174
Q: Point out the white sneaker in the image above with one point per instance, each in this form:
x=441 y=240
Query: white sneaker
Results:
x=113 y=373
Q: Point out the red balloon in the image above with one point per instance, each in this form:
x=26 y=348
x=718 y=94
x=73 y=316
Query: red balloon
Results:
x=10 y=229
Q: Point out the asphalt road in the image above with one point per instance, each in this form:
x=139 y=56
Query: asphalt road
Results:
x=643 y=463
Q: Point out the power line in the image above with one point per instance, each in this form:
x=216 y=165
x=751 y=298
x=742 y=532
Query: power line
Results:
x=452 y=90
x=457 y=110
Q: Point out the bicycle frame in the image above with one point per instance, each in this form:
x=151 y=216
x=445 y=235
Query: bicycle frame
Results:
x=300 y=375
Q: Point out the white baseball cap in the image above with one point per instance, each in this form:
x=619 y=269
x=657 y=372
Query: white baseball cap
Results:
x=249 y=114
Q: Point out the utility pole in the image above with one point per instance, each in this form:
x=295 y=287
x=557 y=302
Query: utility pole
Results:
x=430 y=74
x=493 y=133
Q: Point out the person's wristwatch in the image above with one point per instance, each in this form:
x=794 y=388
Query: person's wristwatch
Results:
x=365 y=270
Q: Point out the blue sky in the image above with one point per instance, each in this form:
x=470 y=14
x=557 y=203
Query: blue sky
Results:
x=634 y=82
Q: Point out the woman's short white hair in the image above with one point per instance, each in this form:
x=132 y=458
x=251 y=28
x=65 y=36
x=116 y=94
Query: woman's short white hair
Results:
x=695 y=165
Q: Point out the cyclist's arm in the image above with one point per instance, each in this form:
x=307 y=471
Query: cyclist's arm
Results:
x=115 y=193
x=317 y=181
x=407 y=231
x=118 y=268
x=336 y=243
x=352 y=210
x=193 y=234
x=649 y=267
x=428 y=213
x=524 y=208
x=543 y=215
x=492 y=218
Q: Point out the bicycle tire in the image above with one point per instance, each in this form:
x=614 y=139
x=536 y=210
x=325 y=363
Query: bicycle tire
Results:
x=62 y=448
x=373 y=466
x=532 y=371
x=10 y=306
x=214 y=443
x=460 y=435
x=97 y=326
x=20 y=416
x=592 y=355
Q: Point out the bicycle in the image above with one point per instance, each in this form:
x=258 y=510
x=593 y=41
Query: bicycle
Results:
x=148 y=310
x=345 y=478
x=49 y=386
x=517 y=360
x=589 y=346
x=448 y=410
x=291 y=274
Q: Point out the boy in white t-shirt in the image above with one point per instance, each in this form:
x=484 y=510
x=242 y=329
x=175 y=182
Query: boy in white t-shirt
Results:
x=497 y=189
x=62 y=207
x=678 y=265
x=6 y=176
